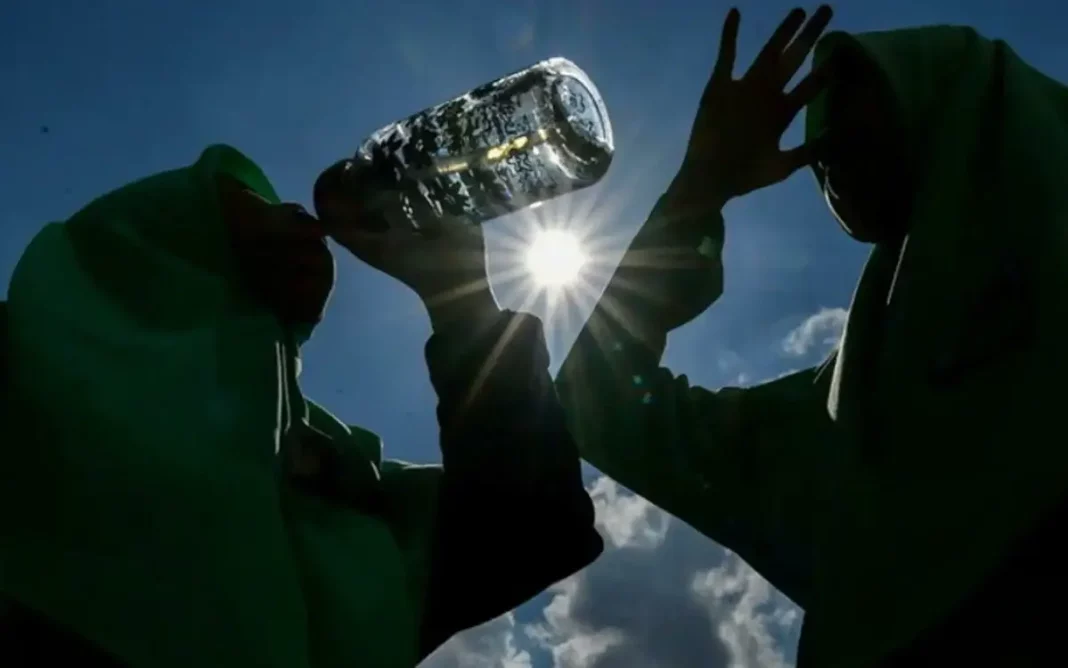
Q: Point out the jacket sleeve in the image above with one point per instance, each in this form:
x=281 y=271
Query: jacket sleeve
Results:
x=742 y=466
x=510 y=514
x=6 y=410
x=3 y=348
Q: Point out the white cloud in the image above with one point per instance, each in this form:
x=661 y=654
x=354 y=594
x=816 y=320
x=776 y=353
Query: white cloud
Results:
x=572 y=645
x=750 y=611
x=741 y=380
x=491 y=645
x=627 y=520
x=663 y=596
x=729 y=360
x=820 y=331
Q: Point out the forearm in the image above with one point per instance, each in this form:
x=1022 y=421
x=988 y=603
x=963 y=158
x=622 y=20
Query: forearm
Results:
x=744 y=466
x=671 y=272
x=508 y=461
x=469 y=304
x=498 y=408
x=726 y=461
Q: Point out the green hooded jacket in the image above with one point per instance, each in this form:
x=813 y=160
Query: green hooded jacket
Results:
x=142 y=504
x=879 y=490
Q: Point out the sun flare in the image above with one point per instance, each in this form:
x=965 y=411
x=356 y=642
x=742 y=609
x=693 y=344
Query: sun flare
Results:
x=555 y=258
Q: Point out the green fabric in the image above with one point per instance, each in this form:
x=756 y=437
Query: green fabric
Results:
x=880 y=490
x=140 y=497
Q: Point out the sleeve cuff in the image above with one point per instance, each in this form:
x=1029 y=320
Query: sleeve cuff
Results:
x=499 y=357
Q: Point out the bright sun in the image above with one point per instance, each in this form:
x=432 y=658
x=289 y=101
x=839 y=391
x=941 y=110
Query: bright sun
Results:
x=555 y=258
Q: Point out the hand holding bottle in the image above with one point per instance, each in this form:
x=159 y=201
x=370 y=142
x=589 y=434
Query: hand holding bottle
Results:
x=447 y=269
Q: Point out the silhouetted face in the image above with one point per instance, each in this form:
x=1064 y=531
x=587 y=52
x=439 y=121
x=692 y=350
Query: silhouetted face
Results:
x=282 y=253
x=864 y=168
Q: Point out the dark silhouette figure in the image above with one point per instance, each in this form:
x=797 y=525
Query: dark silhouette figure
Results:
x=169 y=496
x=895 y=491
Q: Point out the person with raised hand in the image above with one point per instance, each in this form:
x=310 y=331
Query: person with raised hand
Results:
x=894 y=491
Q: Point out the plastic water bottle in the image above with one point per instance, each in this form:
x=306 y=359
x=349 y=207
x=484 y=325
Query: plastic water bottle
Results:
x=509 y=144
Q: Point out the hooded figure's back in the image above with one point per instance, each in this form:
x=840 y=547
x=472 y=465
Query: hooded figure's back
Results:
x=948 y=380
x=880 y=493
x=171 y=542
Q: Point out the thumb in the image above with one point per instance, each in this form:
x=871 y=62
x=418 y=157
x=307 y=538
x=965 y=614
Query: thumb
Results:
x=804 y=155
x=345 y=197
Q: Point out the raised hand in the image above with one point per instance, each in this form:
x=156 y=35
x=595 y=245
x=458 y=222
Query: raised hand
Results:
x=734 y=144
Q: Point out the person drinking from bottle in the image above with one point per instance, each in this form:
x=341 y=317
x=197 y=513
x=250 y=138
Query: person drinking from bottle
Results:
x=169 y=496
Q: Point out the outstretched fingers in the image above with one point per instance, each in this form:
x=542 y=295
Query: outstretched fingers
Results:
x=768 y=58
x=801 y=156
x=794 y=55
x=797 y=99
x=728 y=45
x=807 y=90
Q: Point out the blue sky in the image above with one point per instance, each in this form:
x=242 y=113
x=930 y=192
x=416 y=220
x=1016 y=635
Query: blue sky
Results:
x=130 y=87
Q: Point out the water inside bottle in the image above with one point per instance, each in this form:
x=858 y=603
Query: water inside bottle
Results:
x=504 y=146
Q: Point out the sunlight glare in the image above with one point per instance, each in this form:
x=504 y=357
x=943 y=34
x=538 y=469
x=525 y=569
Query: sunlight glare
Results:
x=555 y=258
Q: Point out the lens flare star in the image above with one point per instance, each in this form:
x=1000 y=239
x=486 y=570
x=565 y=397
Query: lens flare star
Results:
x=555 y=258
